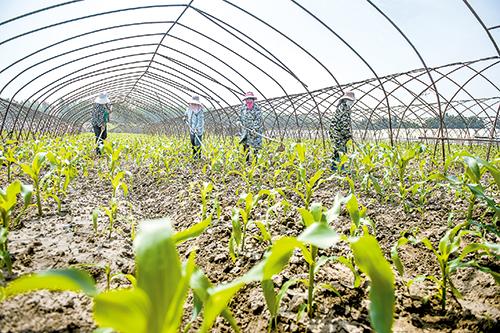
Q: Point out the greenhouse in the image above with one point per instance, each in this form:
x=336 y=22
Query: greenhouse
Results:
x=249 y=166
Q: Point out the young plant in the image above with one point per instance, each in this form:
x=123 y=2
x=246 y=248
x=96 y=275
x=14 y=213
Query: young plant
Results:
x=320 y=219
x=274 y=199
x=63 y=171
x=450 y=257
x=239 y=229
x=308 y=185
x=304 y=186
x=357 y=213
x=8 y=200
x=155 y=304
x=8 y=157
x=317 y=234
x=34 y=172
x=246 y=172
x=111 y=210
x=421 y=192
x=95 y=216
x=113 y=154
x=205 y=191
x=370 y=259
x=402 y=160
x=470 y=181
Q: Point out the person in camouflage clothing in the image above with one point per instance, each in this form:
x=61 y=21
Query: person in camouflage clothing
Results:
x=251 y=125
x=100 y=117
x=340 y=127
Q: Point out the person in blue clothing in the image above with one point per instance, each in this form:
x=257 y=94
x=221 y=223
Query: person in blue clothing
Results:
x=100 y=118
x=196 y=122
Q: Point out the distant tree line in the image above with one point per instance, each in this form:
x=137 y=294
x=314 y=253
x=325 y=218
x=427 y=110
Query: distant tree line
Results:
x=450 y=121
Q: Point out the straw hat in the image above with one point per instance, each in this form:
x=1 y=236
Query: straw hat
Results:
x=348 y=95
x=102 y=98
x=249 y=95
x=195 y=100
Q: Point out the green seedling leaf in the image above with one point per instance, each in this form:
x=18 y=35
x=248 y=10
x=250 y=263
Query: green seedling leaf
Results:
x=280 y=253
x=371 y=261
x=320 y=235
x=333 y=213
x=27 y=170
x=95 y=215
x=27 y=193
x=317 y=211
x=124 y=310
x=266 y=236
x=475 y=247
x=321 y=261
x=352 y=207
x=270 y=297
x=395 y=256
x=284 y=289
x=495 y=172
x=54 y=280
x=315 y=178
x=472 y=169
x=129 y=277
x=235 y=220
x=307 y=216
x=329 y=287
x=301 y=311
x=218 y=300
x=37 y=162
x=349 y=264
x=301 y=152
x=158 y=268
x=193 y=231
x=8 y=197
x=200 y=285
x=175 y=310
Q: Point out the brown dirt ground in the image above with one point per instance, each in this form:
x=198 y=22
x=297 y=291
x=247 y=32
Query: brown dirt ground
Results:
x=59 y=241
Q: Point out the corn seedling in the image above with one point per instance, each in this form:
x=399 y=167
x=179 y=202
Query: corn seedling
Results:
x=95 y=216
x=371 y=261
x=8 y=157
x=470 y=180
x=206 y=188
x=111 y=210
x=239 y=229
x=357 y=213
x=154 y=304
x=450 y=257
x=8 y=200
x=317 y=234
x=34 y=171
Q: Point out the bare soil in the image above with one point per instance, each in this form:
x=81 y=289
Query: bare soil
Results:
x=68 y=239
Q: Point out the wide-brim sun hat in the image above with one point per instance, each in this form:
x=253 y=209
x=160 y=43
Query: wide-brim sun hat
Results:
x=195 y=100
x=349 y=95
x=249 y=95
x=102 y=98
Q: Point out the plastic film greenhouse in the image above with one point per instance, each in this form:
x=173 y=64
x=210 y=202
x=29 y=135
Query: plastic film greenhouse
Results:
x=249 y=166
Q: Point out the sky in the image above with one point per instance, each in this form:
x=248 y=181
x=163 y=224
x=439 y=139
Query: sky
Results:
x=297 y=51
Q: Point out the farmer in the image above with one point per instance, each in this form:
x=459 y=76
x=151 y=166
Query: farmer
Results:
x=100 y=117
x=251 y=125
x=195 y=120
x=340 y=127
